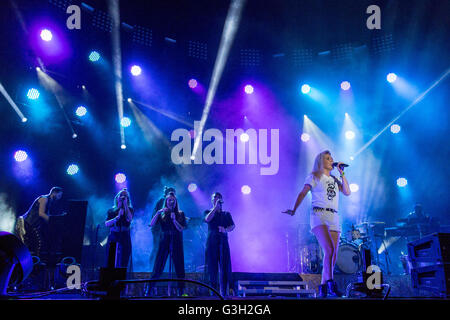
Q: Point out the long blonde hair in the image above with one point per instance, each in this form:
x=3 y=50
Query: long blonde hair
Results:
x=317 y=170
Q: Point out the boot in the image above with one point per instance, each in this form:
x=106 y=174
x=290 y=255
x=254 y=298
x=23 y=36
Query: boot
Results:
x=333 y=291
x=323 y=290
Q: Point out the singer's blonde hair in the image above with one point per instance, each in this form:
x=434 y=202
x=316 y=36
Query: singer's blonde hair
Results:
x=317 y=170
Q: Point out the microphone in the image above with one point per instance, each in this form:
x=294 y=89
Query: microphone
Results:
x=342 y=166
x=221 y=201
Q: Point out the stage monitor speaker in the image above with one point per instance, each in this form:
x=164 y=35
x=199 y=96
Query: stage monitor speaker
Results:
x=430 y=250
x=433 y=278
x=16 y=262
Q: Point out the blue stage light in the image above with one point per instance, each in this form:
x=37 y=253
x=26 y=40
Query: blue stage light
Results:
x=395 y=128
x=33 y=94
x=345 y=85
x=349 y=135
x=306 y=89
x=20 y=156
x=402 y=182
x=391 y=77
x=81 y=111
x=125 y=122
x=94 y=56
x=192 y=187
x=305 y=137
x=136 y=70
x=72 y=169
x=120 y=178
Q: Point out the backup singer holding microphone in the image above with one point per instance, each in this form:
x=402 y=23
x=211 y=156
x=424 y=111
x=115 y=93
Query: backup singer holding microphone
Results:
x=324 y=217
x=172 y=222
x=119 y=220
x=217 y=249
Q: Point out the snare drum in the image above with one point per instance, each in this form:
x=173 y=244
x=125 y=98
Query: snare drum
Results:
x=348 y=259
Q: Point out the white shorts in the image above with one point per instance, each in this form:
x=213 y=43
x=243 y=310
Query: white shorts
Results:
x=327 y=218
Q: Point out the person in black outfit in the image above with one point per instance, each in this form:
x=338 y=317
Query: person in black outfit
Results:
x=218 y=256
x=32 y=227
x=172 y=223
x=156 y=229
x=119 y=220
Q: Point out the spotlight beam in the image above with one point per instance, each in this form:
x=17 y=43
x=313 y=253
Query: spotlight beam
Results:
x=50 y=84
x=416 y=101
x=229 y=31
x=113 y=6
x=11 y=102
x=165 y=113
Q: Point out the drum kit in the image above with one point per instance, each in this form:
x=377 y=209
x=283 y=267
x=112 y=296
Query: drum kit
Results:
x=351 y=244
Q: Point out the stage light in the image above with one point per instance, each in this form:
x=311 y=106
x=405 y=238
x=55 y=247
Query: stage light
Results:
x=246 y=189
x=244 y=137
x=125 y=122
x=248 y=89
x=349 y=135
x=391 y=77
x=354 y=187
x=345 y=85
x=120 y=178
x=129 y=100
x=20 y=156
x=33 y=94
x=24 y=119
x=305 y=137
x=72 y=169
x=74 y=136
x=402 y=182
x=46 y=35
x=83 y=87
x=306 y=89
x=305 y=116
x=136 y=70
x=81 y=111
x=192 y=83
x=352 y=158
x=346 y=115
x=192 y=187
x=94 y=56
x=395 y=128
x=123 y=147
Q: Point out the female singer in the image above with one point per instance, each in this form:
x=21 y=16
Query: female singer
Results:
x=172 y=222
x=217 y=248
x=119 y=220
x=324 y=218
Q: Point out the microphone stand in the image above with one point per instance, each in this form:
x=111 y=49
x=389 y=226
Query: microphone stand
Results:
x=170 y=261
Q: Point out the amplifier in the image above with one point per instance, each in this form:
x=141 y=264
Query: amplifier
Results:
x=431 y=249
x=435 y=278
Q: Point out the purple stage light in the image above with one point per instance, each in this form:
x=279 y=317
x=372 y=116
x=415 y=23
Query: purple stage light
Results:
x=120 y=178
x=248 y=89
x=305 y=137
x=246 y=189
x=136 y=70
x=46 y=35
x=20 y=156
x=244 y=137
x=192 y=83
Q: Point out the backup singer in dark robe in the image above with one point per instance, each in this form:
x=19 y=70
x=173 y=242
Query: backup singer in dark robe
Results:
x=172 y=223
x=119 y=220
x=32 y=227
x=218 y=256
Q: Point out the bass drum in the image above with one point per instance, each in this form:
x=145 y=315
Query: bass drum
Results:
x=348 y=259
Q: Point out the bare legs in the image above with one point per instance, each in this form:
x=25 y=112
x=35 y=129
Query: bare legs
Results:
x=329 y=242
